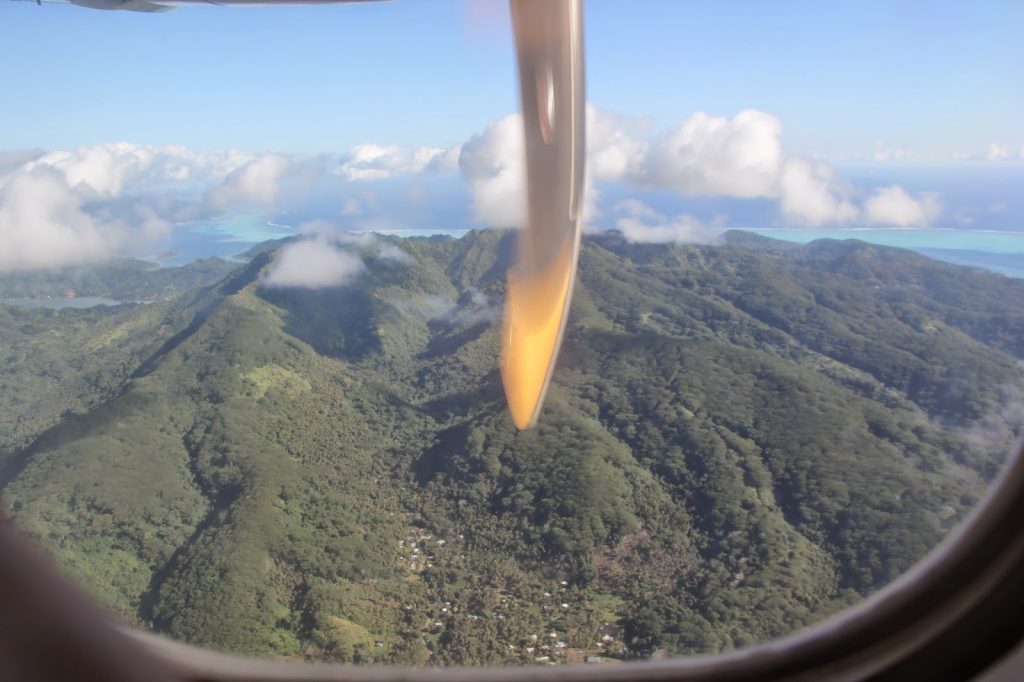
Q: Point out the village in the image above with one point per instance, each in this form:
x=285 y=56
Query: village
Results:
x=559 y=642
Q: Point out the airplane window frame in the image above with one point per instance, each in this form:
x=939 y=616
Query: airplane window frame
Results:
x=952 y=615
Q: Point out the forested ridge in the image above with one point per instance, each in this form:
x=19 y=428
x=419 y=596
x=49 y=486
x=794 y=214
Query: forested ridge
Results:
x=124 y=279
x=739 y=440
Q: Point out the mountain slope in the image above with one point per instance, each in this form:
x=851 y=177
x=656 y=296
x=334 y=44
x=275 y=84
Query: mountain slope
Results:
x=739 y=440
x=123 y=279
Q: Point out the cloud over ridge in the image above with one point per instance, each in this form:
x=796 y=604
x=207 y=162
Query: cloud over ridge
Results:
x=313 y=264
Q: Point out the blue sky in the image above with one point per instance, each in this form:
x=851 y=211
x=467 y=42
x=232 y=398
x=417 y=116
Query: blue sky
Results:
x=932 y=77
x=782 y=114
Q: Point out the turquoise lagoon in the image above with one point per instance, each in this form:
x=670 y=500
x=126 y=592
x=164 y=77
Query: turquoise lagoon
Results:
x=229 y=236
x=996 y=250
x=224 y=237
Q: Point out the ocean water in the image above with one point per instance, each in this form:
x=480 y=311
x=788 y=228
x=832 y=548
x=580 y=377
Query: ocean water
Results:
x=981 y=222
x=229 y=236
x=991 y=241
x=1000 y=251
x=224 y=237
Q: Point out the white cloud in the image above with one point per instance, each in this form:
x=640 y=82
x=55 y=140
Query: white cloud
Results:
x=997 y=152
x=808 y=192
x=391 y=253
x=884 y=153
x=71 y=206
x=111 y=169
x=741 y=157
x=895 y=207
x=256 y=182
x=93 y=202
x=367 y=243
x=12 y=160
x=705 y=155
x=615 y=144
x=376 y=162
x=738 y=157
x=473 y=307
x=44 y=223
x=994 y=152
x=492 y=162
x=329 y=256
x=643 y=224
x=103 y=168
x=637 y=209
x=447 y=161
x=313 y=264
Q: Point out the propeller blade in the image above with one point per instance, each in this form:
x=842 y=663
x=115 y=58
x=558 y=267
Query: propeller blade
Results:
x=549 y=45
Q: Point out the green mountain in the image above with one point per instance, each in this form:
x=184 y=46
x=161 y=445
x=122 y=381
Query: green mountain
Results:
x=739 y=440
x=125 y=279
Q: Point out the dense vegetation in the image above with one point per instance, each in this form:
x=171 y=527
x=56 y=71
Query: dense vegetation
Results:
x=739 y=440
x=122 y=280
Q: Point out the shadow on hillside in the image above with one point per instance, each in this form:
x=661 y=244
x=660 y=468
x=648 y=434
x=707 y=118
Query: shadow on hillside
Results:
x=448 y=342
x=460 y=404
x=336 y=322
x=437 y=458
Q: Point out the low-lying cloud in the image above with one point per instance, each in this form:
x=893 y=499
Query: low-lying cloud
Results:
x=641 y=223
x=895 y=207
x=313 y=264
x=367 y=244
x=810 y=193
x=473 y=307
x=328 y=256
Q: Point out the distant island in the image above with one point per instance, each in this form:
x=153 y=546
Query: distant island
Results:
x=123 y=280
